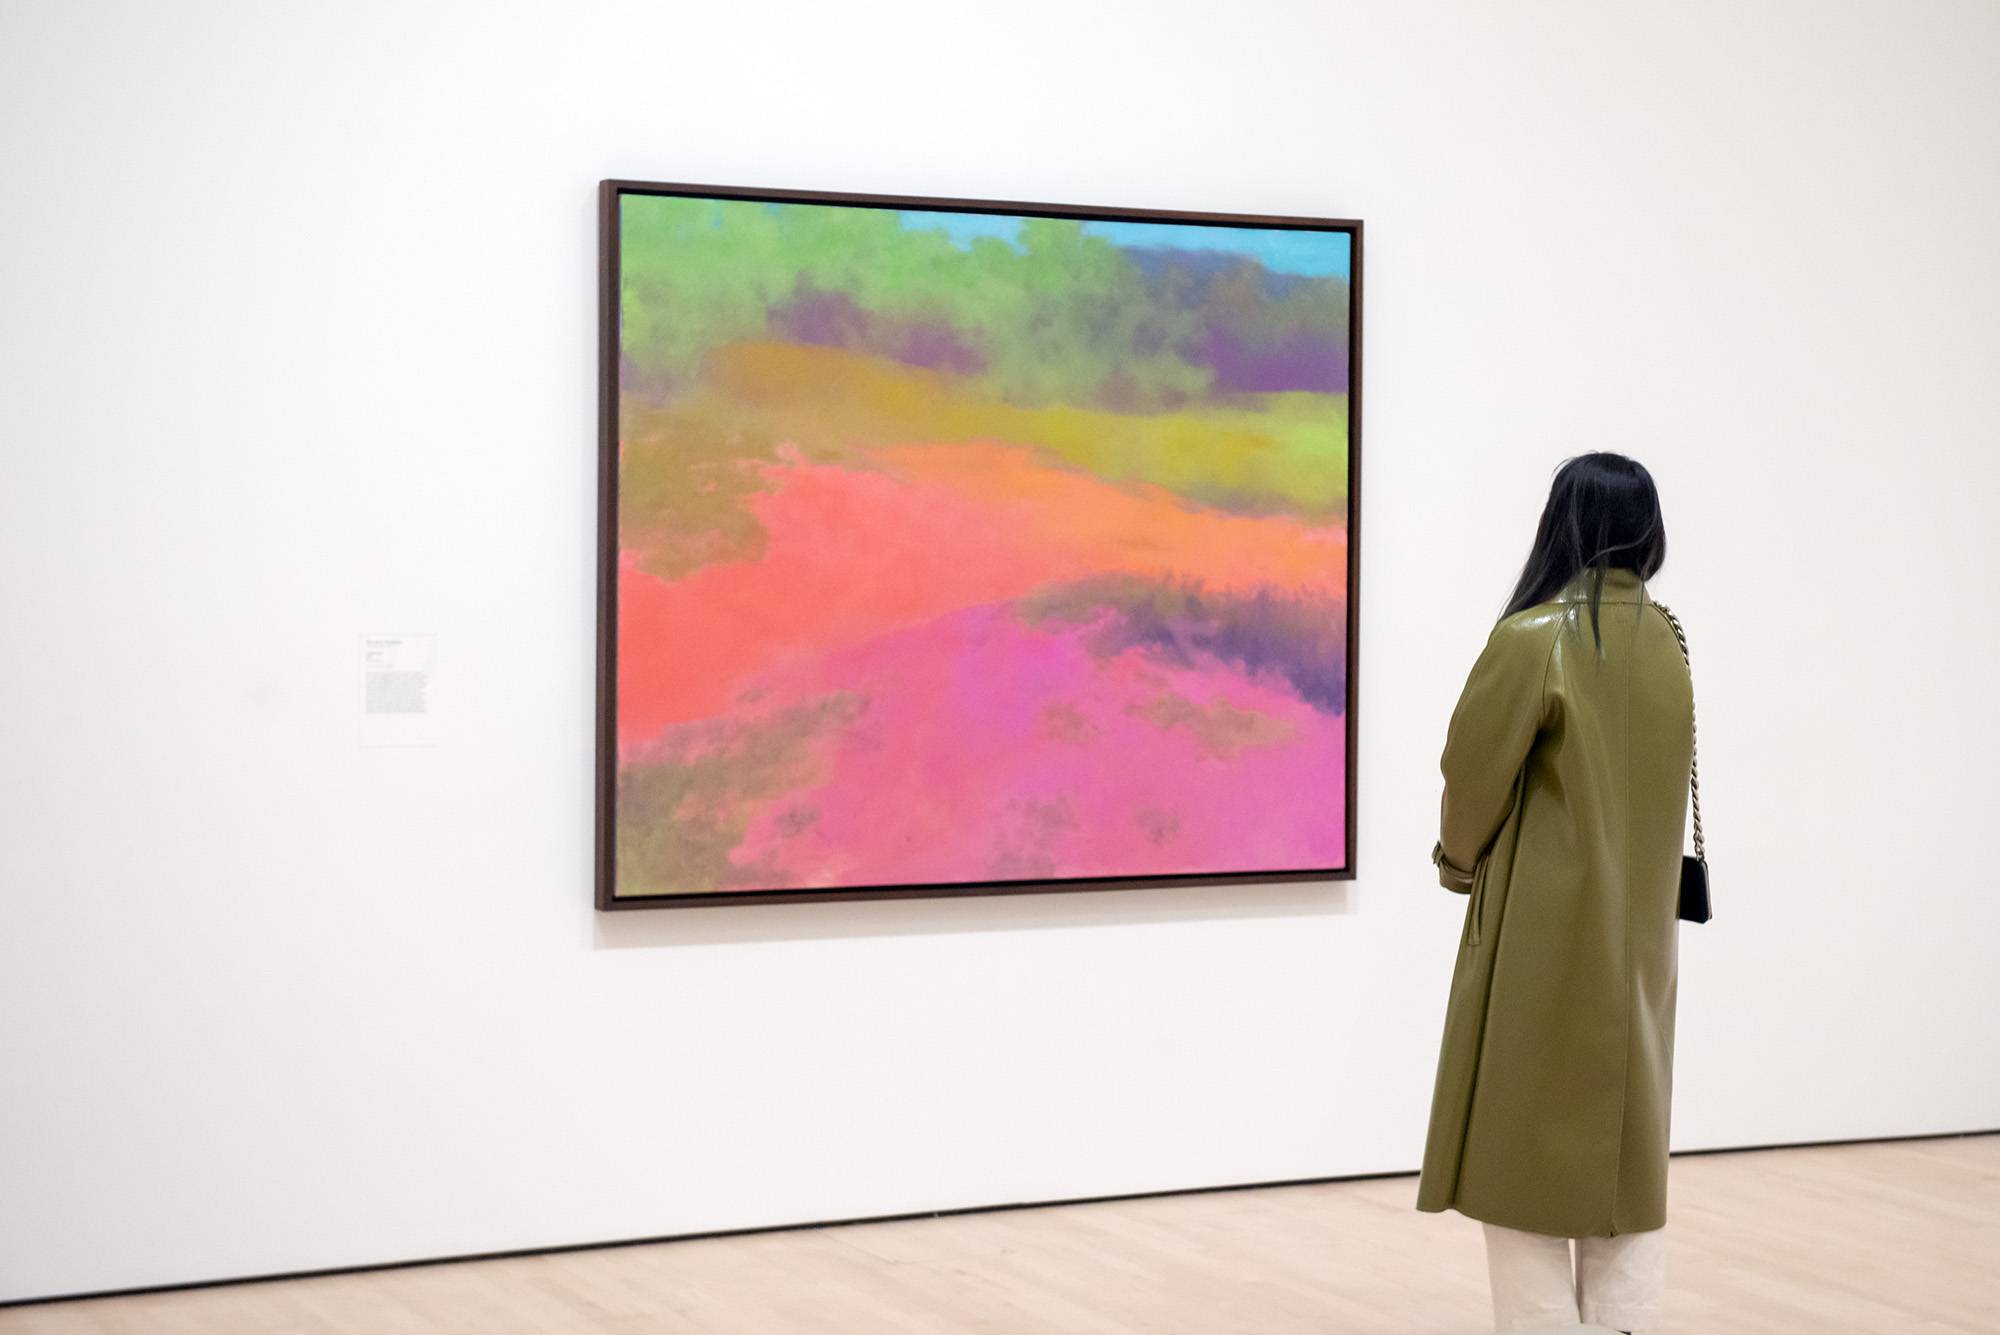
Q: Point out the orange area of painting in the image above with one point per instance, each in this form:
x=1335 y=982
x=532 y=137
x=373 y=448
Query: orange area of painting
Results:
x=853 y=552
x=1141 y=529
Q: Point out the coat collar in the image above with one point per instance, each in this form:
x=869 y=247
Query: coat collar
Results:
x=1621 y=585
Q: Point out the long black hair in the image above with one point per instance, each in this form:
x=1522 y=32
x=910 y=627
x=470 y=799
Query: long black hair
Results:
x=1603 y=511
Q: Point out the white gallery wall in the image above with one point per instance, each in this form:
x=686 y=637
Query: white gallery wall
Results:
x=298 y=323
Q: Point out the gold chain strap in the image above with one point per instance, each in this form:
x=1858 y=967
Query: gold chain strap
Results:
x=1694 y=761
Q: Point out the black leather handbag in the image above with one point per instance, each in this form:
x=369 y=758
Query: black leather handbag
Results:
x=1694 y=866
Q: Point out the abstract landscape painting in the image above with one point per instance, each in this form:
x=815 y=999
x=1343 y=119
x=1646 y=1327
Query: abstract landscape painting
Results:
x=956 y=548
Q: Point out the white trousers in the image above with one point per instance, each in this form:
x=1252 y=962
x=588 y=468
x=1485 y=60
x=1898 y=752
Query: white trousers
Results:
x=1618 y=1283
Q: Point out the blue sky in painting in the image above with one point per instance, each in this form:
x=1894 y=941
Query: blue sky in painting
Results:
x=1281 y=250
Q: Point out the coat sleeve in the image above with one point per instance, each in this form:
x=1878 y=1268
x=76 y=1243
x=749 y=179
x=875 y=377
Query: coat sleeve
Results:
x=1498 y=715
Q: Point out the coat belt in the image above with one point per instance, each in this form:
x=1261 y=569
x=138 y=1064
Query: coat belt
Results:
x=1478 y=907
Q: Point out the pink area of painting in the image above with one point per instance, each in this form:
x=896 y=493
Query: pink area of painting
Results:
x=991 y=750
x=853 y=553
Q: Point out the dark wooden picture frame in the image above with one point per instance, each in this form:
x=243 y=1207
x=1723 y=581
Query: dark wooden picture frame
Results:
x=611 y=195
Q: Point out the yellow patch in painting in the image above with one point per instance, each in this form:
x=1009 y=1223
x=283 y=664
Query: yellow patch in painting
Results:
x=1220 y=729
x=1276 y=452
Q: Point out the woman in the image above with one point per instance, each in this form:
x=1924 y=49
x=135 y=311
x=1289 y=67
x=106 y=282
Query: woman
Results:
x=1565 y=805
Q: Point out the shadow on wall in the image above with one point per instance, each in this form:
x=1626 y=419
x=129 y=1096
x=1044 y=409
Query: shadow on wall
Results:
x=737 y=922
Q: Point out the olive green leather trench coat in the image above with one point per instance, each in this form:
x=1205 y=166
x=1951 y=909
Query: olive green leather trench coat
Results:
x=1564 y=811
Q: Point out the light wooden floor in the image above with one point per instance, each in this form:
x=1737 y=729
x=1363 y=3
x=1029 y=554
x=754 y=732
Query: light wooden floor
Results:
x=1891 y=1237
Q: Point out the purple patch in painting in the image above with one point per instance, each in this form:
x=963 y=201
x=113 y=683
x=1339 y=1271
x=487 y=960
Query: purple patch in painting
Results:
x=1301 y=639
x=820 y=318
x=1291 y=359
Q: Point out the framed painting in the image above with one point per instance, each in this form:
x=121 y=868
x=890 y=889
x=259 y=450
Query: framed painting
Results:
x=962 y=546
